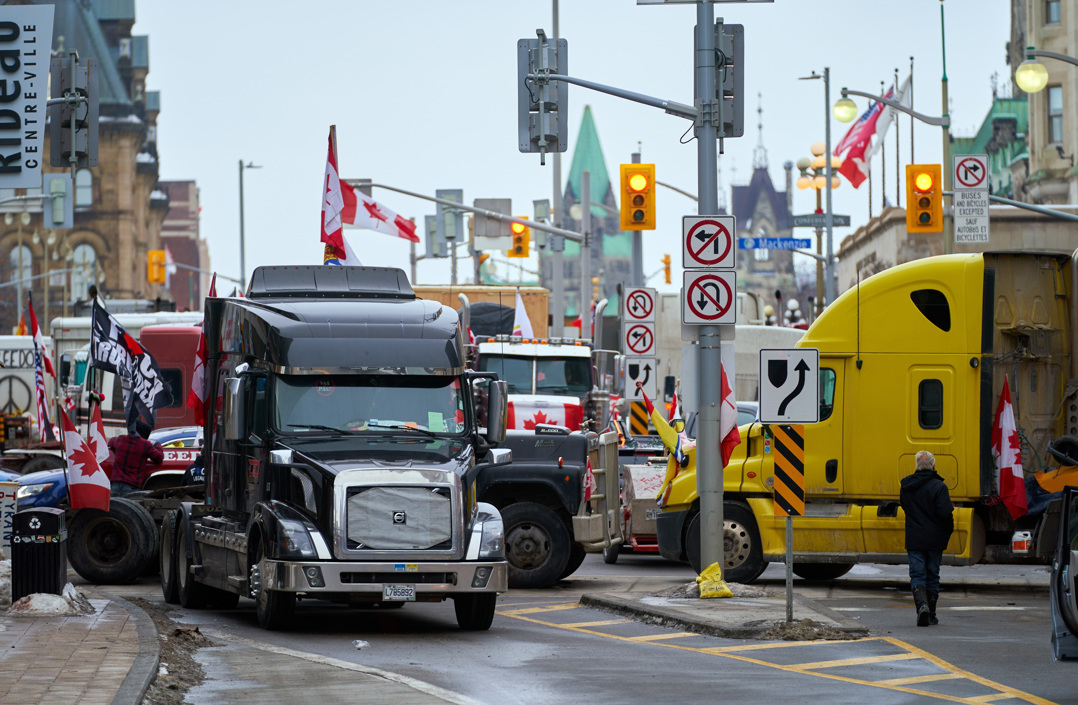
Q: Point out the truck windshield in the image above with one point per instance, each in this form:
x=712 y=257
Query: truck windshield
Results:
x=558 y=376
x=368 y=403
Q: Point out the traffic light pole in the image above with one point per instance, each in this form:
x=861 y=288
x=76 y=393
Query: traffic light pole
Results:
x=585 y=254
x=557 y=244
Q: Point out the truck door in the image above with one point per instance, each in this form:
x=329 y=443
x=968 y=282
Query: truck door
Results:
x=1063 y=589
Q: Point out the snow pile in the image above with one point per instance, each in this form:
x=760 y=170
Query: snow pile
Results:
x=5 y=582
x=70 y=604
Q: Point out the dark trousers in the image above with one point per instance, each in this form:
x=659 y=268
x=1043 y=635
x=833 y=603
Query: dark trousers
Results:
x=925 y=569
x=122 y=489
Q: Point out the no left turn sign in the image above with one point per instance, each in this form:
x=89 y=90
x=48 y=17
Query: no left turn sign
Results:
x=640 y=339
x=707 y=298
x=708 y=241
x=640 y=305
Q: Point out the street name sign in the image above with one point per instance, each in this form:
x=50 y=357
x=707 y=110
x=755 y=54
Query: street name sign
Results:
x=708 y=297
x=773 y=243
x=789 y=385
x=970 y=202
x=708 y=241
x=819 y=220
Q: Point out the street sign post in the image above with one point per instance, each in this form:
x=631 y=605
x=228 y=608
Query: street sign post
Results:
x=773 y=243
x=639 y=305
x=789 y=386
x=707 y=298
x=643 y=370
x=970 y=203
x=708 y=241
x=819 y=220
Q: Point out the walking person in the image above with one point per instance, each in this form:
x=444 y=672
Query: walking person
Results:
x=130 y=454
x=929 y=523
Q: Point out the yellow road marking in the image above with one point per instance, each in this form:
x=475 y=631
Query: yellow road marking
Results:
x=921 y=679
x=853 y=661
x=660 y=637
x=733 y=653
x=598 y=624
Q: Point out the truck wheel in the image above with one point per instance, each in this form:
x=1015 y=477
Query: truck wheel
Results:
x=170 y=589
x=192 y=594
x=536 y=545
x=113 y=547
x=576 y=557
x=475 y=612
x=273 y=607
x=610 y=554
x=821 y=571
x=743 y=559
x=42 y=462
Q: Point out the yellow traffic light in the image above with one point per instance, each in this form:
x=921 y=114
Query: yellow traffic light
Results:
x=637 y=196
x=595 y=288
x=155 y=266
x=924 y=198
x=666 y=268
x=521 y=239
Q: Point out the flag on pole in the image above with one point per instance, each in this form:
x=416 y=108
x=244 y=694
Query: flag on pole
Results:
x=39 y=340
x=362 y=211
x=1007 y=452
x=675 y=410
x=44 y=424
x=522 y=325
x=96 y=436
x=728 y=430
x=196 y=396
x=337 y=250
x=678 y=444
x=858 y=141
x=87 y=484
x=887 y=116
x=21 y=330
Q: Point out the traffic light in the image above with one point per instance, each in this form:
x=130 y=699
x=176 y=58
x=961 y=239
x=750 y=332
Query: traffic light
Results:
x=924 y=198
x=595 y=288
x=521 y=239
x=666 y=268
x=637 y=196
x=155 y=266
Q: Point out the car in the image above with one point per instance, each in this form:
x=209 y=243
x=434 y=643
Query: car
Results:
x=182 y=444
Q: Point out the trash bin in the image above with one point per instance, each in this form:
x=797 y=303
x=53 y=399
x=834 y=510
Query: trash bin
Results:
x=38 y=552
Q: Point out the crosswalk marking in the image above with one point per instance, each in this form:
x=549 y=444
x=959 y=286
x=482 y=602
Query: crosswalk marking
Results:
x=817 y=665
x=662 y=637
x=914 y=680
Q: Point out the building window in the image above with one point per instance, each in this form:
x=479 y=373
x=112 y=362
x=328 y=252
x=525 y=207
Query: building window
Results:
x=1055 y=114
x=21 y=263
x=84 y=266
x=84 y=188
x=1052 y=11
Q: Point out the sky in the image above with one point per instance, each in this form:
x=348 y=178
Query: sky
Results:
x=424 y=97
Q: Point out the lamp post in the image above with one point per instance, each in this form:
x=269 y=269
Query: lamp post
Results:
x=813 y=175
x=829 y=263
x=24 y=219
x=243 y=263
x=1031 y=75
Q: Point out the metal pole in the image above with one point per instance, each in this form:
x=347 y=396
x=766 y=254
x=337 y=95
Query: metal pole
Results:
x=912 y=160
x=638 y=244
x=412 y=261
x=585 y=255
x=453 y=261
x=709 y=472
x=45 y=264
x=829 y=274
x=819 y=262
x=21 y=265
x=243 y=263
x=557 y=242
x=948 y=222
x=789 y=569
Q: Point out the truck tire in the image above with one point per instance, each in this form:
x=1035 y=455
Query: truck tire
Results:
x=743 y=558
x=273 y=608
x=821 y=571
x=42 y=462
x=537 y=545
x=192 y=594
x=611 y=553
x=170 y=588
x=113 y=547
x=475 y=612
x=576 y=557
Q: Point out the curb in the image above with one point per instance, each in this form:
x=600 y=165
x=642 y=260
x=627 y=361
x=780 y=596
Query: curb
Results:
x=144 y=668
x=752 y=629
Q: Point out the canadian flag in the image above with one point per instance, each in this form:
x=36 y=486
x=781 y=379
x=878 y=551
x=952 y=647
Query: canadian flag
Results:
x=526 y=415
x=96 y=440
x=1007 y=451
x=87 y=484
x=196 y=397
x=39 y=340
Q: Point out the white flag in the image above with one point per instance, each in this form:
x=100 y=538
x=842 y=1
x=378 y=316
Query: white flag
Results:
x=903 y=98
x=522 y=325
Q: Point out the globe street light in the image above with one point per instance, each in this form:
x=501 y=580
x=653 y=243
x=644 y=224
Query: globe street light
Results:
x=1031 y=75
x=813 y=175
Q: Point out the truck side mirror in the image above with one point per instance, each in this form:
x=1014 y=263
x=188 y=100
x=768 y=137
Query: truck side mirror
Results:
x=497 y=410
x=233 y=409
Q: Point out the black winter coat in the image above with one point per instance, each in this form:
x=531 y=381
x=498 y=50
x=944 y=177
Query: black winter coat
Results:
x=928 y=508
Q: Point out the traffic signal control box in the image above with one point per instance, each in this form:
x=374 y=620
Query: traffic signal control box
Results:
x=638 y=197
x=521 y=240
x=924 y=198
x=155 y=266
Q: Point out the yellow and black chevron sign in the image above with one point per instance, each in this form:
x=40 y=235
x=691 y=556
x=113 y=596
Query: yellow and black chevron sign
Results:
x=638 y=418
x=789 y=470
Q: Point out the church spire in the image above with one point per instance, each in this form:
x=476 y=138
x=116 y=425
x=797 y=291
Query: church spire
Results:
x=759 y=155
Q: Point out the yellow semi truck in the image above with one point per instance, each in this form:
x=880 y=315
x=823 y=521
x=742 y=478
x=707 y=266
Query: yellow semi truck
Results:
x=914 y=358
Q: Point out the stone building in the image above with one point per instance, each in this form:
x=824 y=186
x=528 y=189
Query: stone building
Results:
x=119 y=208
x=180 y=234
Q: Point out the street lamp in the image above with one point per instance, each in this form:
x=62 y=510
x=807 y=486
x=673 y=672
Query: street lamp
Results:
x=813 y=176
x=828 y=174
x=243 y=264
x=1031 y=75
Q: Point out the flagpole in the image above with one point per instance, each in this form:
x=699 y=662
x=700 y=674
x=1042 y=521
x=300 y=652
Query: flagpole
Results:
x=912 y=160
x=898 y=154
x=63 y=447
x=883 y=162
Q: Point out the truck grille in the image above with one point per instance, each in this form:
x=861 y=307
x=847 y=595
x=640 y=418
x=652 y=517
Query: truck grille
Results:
x=399 y=518
x=409 y=578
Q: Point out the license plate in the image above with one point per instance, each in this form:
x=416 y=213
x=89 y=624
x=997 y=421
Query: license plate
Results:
x=652 y=514
x=398 y=593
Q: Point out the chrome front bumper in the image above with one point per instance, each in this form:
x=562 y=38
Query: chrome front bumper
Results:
x=429 y=578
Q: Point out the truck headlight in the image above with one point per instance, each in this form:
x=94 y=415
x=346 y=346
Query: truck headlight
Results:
x=492 y=541
x=31 y=490
x=293 y=539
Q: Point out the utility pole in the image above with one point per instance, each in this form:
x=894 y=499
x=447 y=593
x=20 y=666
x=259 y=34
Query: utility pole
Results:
x=585 y=254
x=557 y=242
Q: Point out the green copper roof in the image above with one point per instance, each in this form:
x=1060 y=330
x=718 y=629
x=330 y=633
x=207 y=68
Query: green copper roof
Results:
x=1015 y=108
x=588 y=155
